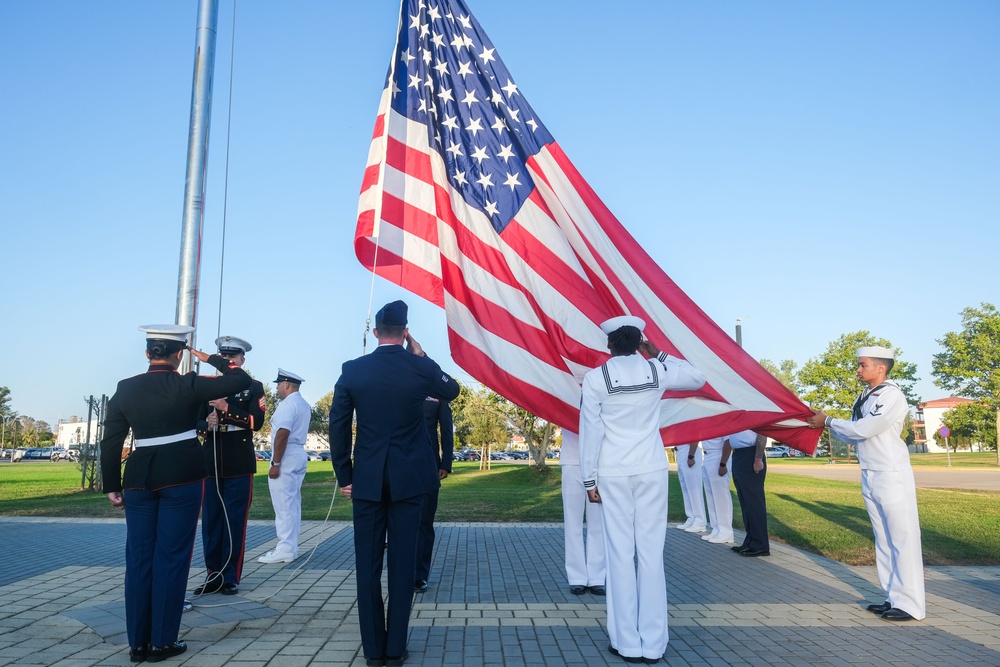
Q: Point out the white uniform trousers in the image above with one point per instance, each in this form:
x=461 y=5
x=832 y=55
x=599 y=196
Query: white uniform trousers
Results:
x=585 y=565
x=635 y=528
x=286 y=498
x=891 y=499
x=718 y=498
x=691 y=485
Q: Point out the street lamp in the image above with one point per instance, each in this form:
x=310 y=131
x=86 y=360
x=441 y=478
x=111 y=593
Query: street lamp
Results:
x=739 y=330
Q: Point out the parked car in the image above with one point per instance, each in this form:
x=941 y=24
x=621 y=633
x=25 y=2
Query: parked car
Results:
x=777 y=452
x=263 y=454
x=465 y=455
x=313 y=456
x=38 y=454
x=60 y=454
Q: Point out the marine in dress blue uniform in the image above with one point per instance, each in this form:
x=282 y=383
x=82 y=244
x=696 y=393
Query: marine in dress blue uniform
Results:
x=163 y=482
x=437 y=415
x=391 y=471
x=229 y=456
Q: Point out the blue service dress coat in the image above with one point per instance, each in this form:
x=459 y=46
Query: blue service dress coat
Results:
x=387 y=390
x=392 y=468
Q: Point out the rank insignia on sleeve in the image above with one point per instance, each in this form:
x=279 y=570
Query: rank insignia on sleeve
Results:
x=262 y=403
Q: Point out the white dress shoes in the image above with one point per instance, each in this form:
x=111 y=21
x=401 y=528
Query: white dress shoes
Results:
x=696 y=528
x=275 y=556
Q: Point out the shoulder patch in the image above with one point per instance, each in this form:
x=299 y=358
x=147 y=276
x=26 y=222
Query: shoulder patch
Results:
x=262 y=403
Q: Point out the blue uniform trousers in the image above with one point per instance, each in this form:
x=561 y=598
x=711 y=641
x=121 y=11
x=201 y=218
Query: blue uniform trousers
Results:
x=381 y=635
x=750 y=492
x=161 y=527
x=425 y=542
x=224 y=527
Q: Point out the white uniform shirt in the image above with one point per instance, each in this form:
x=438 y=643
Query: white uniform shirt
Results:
x=569 y=453
x=293 y=414
x=713 y=445
x=620 y=414
x=877 y=432
x=743 y=439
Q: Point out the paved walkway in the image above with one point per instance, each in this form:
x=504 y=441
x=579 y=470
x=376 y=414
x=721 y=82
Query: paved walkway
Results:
x=497 y=597
x=926 y=477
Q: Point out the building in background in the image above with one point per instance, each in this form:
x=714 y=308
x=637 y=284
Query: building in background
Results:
x=928 y=420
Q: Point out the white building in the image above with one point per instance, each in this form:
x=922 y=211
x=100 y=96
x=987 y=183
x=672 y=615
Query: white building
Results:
x=929 y=419
x=73 y=433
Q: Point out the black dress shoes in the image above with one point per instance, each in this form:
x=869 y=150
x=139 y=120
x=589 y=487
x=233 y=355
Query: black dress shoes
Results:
x=577 y=590
x=137 y=654
x=375 y=662
x=159 y=653
x=597 y=590
x=396 y=662
x=230 y=589
x=879 y=608
x=209 y=587
x=751 y=553
x=896 y=615
x=627 y=658
x=738 y=548
x=420 y=586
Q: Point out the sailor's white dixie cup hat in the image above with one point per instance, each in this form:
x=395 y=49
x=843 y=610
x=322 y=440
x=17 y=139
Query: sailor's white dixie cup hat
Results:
x=616 y=323
x=876 y=352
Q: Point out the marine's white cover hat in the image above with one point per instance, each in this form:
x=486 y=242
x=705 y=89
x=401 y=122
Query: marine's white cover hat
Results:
x=616 y=323
x=232 y=344
x=178 y=332
x=877 y=352
x=286 y=376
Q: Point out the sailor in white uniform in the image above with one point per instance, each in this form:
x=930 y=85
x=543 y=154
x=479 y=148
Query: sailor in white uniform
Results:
x=715 y=472
x=586 y=565
x=624 y=468
x=289 y=428
x=689 y=465
x=886 y=483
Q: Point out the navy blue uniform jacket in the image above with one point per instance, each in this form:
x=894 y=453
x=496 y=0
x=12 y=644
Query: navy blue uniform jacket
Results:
x=234 y=455
x=162 y=402
x=386 y=389
x=438 y=412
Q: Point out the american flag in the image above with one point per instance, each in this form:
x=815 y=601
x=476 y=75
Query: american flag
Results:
x=469 y=202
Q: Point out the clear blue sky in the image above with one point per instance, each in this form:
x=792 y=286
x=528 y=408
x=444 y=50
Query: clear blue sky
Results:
x=820 y=167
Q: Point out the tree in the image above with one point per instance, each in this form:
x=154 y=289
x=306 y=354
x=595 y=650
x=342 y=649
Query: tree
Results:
x=261 y=438
x=785 y=373
x=537 y=432
x=829 y=382
x=5 y=410
x=481 y=421
x=970 y=363
x=319 y=418
x=970 y=423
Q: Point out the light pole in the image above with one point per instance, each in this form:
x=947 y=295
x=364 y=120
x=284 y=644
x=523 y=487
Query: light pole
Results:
x=739 y=330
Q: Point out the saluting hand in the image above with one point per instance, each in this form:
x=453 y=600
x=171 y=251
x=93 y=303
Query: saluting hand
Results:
x=648 y=349
x=413 y=346
x=198 y=354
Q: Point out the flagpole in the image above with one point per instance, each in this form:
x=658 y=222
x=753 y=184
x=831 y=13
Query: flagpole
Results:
x=192 y=221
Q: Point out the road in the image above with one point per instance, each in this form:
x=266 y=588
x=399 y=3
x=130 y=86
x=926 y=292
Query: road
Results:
x=925 y=477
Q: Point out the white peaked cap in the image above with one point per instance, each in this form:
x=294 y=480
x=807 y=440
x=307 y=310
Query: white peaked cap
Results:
x=616 y=323
x=178 y=332
x=230 y=343
x=877 y=352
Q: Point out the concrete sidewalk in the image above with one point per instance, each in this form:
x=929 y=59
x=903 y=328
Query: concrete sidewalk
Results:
x=497 y=596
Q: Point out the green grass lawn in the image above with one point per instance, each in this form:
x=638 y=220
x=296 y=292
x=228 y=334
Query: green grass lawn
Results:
x=821 y=516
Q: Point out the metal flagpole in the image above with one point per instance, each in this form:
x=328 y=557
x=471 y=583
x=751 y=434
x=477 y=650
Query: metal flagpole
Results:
x=192 y=223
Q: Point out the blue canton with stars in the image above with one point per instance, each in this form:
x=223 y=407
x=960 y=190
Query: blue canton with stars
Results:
x=448 y=76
